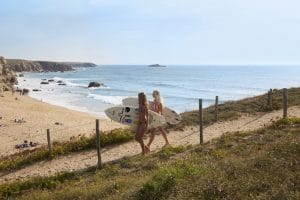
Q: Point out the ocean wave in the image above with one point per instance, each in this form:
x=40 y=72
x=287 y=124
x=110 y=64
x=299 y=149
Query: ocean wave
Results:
x=68 y=82
x=114 y=100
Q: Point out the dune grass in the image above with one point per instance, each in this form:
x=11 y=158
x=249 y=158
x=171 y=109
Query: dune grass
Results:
x=234 y=109
x=263 y=164
x=24 y=158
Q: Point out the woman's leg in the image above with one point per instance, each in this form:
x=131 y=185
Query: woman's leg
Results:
x=152 y=136
x=164 y=134
x=139 y=137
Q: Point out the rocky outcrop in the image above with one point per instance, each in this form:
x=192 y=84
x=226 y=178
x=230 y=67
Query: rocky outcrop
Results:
x=95 y=84
x=7 y=75
x=79 y=64
x=8 y=68
x=40 y=66
x=37 y=66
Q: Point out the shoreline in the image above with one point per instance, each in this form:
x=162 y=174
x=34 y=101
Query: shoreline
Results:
x=179 y=96
x=25 y=118
x=54 y=100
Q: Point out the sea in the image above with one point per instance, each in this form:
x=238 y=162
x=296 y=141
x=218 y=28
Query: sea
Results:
x=181 y=86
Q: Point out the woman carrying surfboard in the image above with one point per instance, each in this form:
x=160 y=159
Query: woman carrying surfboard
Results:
x=143 y=121
x=157 y=106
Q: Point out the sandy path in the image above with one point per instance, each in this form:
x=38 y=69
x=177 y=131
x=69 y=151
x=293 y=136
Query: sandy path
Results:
x=85 y=159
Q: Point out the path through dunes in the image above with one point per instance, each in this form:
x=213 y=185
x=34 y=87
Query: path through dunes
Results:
x=190 y=135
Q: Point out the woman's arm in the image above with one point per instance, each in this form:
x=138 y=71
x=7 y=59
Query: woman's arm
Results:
x=146 y=115
x=160 y=109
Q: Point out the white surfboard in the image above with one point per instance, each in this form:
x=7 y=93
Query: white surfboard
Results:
x=129 y=115
x=171 y=116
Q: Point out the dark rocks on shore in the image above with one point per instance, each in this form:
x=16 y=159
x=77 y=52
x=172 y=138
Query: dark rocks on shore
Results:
x=50 y=80
x=62 y=84
x=25 y=91
x=36 y=90
x=21 y=75
x=95 y=84
x=44 y=82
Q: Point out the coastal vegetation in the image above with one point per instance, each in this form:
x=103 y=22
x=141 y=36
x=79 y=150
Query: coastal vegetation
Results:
x=227 y=111
x=234 y=109
x=262 y=164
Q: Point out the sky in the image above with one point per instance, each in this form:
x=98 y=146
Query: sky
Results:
x=194 y=32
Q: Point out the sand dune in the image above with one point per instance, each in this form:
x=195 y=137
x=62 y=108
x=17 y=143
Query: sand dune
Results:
x=77 y=161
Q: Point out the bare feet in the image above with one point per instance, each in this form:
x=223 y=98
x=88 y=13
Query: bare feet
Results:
x=147 y=149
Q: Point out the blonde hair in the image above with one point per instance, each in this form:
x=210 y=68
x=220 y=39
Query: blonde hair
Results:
x=142 y=99
x=158 y=98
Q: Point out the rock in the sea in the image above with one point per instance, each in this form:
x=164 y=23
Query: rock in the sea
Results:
x=25 y=91
x=36 y=90
x=44 y=82
x=95 y=84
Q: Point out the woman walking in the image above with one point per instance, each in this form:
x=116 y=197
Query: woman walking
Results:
x=157 y=106
x=143 y=121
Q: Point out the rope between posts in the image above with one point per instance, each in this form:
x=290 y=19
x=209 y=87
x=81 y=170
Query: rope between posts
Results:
x=68 y=127
x=186 y=136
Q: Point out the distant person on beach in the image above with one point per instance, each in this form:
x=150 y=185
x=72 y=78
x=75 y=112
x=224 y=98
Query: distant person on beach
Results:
x=143 y=121
x=157 y=106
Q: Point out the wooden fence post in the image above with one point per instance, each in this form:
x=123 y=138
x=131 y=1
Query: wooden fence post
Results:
x=99 y=164
x=201 y=121
x=49 y=142
x=270 y=99
x=217 y=108
x=285 y=103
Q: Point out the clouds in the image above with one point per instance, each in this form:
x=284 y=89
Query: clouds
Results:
x=142 y=31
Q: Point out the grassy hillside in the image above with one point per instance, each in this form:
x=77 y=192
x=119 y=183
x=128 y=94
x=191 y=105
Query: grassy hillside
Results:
x=246 y=165
x=233 y=109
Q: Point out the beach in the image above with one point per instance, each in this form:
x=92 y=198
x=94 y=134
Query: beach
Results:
x=24 y=118
x=180 y=86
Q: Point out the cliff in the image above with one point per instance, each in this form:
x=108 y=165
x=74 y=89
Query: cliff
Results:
x=37 y=66
x=18 y=65
x=7 y=75
x=80 y=64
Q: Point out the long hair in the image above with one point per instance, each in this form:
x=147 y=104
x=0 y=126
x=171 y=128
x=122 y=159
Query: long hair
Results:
x=142 y=99
x=158 y=98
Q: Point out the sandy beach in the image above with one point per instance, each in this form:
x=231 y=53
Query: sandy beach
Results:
x=24 y=118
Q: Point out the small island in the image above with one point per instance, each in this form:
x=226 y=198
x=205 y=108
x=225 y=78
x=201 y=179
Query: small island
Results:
x=157 y=65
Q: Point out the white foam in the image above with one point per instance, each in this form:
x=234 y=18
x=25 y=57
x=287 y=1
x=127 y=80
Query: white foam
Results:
x=114 y=100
